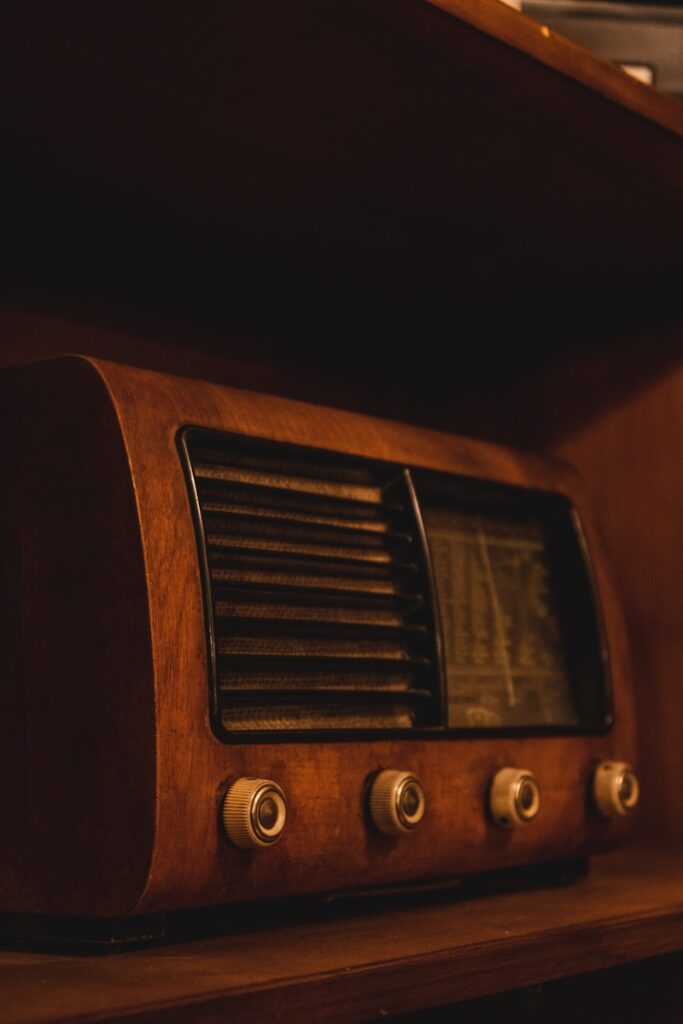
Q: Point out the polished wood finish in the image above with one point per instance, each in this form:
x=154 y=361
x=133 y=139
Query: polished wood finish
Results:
x=370 y=963
x=568 y=58
x=78 y=736
x=630 y=457
x=328 y=843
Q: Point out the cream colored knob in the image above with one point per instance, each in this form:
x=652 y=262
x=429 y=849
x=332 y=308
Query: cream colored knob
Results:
x=397 y=802
x=254 y=813
x=615 y=788
x=514 y=797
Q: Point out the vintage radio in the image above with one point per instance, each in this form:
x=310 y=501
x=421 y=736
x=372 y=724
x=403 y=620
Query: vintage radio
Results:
x=253 y=648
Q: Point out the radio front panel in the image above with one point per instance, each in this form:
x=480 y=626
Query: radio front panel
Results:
x=353 y=596
x=305 y=651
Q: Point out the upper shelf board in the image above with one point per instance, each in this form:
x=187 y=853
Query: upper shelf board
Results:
x=376 y=153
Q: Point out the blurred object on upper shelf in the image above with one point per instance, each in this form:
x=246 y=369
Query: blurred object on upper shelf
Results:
x=646 y=39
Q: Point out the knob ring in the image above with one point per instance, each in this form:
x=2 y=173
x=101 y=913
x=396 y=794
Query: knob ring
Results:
x=244 y=823
x=265 y=834
x=514 y=797
x=410 y=820
x=616 y=789
x=526 y=784
x=397 y=802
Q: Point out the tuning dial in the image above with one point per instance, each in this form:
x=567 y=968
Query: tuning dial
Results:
x=514 y=797
x=254 y=813
x=615 y=788
x=397 y=802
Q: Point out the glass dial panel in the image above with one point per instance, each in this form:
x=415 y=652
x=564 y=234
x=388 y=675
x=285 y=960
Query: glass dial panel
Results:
x=504 y=651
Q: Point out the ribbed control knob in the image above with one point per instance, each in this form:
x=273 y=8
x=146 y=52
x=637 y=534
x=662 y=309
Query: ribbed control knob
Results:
x=397 y=802
x=254 y=813
x=615 y=788
x=514 y=797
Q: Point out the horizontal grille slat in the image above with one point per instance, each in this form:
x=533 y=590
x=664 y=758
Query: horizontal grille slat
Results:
x=322 y=647
x=406 y=603
x=298 y=616
x=322 y=663
x=301 y=717
x=290 y=523
x=311 y=550
x=317 y=590
x=282 y=565
x=307 y=486
x=410 y=601
x=293 y=582
x=223 y=491
x=346 y=678
x=324 y=630
x=313 y=694
x=292 y=463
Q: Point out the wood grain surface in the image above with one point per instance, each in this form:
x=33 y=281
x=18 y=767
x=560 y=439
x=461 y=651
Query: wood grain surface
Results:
x=631 y=458
x=126 y=675
x=77 y=739
x=365 y=965
x=192 y=864
x=562 y=55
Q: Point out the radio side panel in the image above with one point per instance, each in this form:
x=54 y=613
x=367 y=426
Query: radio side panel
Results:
x=77 y=732
x=328 y=844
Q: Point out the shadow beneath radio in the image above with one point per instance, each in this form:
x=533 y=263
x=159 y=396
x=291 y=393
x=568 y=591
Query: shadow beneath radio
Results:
x=96 y=936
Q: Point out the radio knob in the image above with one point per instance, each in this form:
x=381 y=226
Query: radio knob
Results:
x=514 y=797
x=397 y=802
x=254 y=813
x=615 y=788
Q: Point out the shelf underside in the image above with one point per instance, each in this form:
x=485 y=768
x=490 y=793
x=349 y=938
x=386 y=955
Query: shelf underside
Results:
x=375 y=154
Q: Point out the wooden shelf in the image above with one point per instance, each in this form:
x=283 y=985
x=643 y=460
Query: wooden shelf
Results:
x=368 y=965
x=386 y=154
x=560 y=54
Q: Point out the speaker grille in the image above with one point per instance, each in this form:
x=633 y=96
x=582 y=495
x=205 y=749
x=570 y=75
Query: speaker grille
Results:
x=319 y=607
